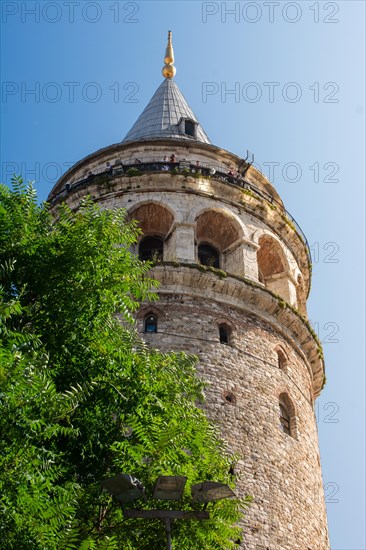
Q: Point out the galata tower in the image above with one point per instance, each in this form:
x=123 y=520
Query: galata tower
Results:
x=234 y=270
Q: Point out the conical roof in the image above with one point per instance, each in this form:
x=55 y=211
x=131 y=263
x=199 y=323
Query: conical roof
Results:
x=165 y=116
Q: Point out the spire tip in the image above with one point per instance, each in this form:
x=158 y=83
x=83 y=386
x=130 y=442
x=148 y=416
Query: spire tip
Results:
x=169 y=70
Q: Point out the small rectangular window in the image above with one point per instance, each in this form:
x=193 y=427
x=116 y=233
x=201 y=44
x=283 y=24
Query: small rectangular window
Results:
x=189 y=128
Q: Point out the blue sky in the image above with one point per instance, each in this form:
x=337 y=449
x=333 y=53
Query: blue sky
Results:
x=76 y=75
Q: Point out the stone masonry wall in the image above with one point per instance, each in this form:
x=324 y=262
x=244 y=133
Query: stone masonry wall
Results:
x=282 y=472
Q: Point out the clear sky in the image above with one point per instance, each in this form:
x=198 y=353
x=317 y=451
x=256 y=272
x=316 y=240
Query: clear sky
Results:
x=76 y=75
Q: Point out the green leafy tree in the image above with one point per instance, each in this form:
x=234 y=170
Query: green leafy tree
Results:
x=83 y=398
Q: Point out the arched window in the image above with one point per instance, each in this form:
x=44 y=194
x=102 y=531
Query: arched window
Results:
x=217 y=230
x=224 y=333
x=281 y=360
x=208 y=255
x=151 y=324
x=151 y=248
x=273 y=269
x=284 y=418
x=270 y=257
x=287 y=415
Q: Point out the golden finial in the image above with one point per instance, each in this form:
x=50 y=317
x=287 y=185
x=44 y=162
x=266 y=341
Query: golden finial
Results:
x=168 y=69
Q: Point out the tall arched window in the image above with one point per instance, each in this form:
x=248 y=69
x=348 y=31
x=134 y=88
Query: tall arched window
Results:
x=281 y=360
x=151 y=324
x=208 y=255
x=151 y=248
x=284 y=418
x=287 y=415
x=270 y=257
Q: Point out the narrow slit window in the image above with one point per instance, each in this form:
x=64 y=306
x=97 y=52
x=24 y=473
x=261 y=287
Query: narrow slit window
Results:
x=281 y=360
x=284 y=419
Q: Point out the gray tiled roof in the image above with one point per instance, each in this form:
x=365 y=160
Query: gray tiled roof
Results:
x=160 y=118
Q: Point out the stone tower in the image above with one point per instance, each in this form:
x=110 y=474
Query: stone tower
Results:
x=234 y=271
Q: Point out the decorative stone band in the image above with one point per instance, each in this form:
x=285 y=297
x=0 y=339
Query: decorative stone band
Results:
x=248 y=296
